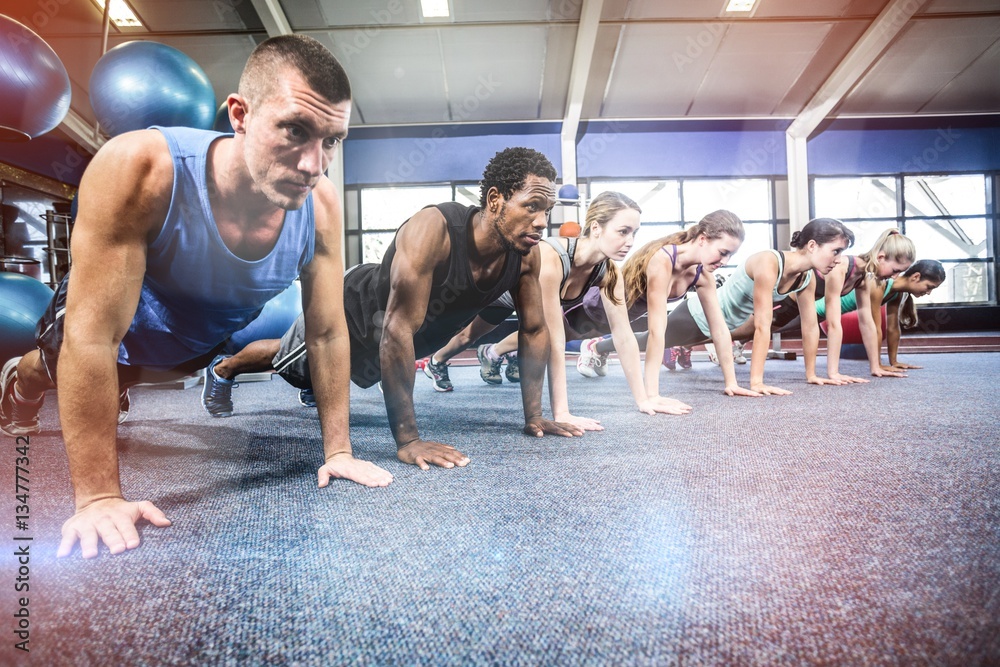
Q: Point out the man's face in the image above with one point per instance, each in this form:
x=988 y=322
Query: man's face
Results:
x=291 y=136
x=520 y=221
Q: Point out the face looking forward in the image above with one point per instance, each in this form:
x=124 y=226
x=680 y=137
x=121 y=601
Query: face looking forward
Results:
x=291 y=136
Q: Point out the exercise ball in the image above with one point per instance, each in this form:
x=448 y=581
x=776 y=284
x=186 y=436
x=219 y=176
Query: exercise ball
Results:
x=222 y=123
x=568 y=193
x=138 y=84
x=23 y=300
x=570 y=228
x=34 y=85
x=274 y=320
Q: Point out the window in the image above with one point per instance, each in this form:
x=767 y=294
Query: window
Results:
x=383 y=210
x=946 y=216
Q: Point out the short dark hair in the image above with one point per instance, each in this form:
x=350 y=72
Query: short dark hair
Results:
x=318 y=67
x=510 y=168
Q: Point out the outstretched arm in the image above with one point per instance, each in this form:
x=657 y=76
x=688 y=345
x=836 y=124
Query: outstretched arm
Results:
x=124 y=198
x=550 y=282
x=533 y=349
x=329 y=346
x=870 y=323
x=709 y=297
x=763 y=269
x=659 y=273
x=422 y=244
x=628 y=353
x=834 y=332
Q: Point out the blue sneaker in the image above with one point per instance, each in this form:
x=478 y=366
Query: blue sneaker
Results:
x=217 y=394
x=489 y=369
x=307 y=398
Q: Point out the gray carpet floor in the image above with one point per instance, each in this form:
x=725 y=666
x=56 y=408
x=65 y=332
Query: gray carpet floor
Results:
x=838 y=526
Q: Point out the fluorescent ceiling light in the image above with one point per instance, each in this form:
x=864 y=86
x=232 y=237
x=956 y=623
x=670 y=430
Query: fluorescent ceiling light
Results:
x=121 y=14
x=433 y=9
x=740 y=5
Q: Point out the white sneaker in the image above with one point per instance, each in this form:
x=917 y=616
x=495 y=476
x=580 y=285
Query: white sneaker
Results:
x=712 y=356
x=591 y=363
x=738 y=353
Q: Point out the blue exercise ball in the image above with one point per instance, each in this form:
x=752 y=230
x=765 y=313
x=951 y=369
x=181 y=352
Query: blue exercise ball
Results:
x=34 y=86
x=568 y=192
x=274 y=320
x=222 y=123
x=138 y=84
x=23 y=300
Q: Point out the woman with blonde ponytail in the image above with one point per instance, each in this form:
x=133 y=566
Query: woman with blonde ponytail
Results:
x=659 y=273
x=891 y=254
x=569 y=268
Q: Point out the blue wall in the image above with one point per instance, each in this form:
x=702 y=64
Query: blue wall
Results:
x=646 y=149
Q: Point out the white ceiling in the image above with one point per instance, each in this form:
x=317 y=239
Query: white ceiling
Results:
x=511 y=60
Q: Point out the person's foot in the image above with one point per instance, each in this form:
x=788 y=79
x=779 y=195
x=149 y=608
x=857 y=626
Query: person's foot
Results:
x=17 y=417
x=670 y=358
x=489 y=369
x=513 y=368
x=439 y=374
x=712 y=354
x=738 y=353
x=591 y=363
x=684 y=357
x=124 y=405
x=217 y=394
x=307 y=398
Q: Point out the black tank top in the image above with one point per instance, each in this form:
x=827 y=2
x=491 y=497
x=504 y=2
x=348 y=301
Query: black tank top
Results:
x=454 y=300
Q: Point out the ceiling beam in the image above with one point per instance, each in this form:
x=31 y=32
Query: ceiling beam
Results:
x=583 y=53
x=81 y=132
x=865 y=52
x=872 y=44
x=273 y=17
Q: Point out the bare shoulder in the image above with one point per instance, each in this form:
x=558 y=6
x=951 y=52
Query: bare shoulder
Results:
x=764 y=263
x=128 y=183
x=326 y=204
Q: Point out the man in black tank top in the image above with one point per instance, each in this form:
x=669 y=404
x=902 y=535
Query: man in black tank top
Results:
x=446 y=264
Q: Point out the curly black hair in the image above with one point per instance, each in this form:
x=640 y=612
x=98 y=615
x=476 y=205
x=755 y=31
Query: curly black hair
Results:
x=510 y=168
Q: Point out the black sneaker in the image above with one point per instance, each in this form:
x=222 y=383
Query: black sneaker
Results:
x=217 y=394
x=513 y=369
x=307 y=398
x=124 y=405
x=16 y=417
x=489 y=370
x=438 y=373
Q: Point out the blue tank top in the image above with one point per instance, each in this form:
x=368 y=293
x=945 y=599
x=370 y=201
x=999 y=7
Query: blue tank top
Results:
x=196 y=292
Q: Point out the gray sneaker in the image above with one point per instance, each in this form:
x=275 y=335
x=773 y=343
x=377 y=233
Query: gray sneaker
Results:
x=438 y=373
x=513 y=369
x=489 y=370
x=217 y=394
x=16 y=417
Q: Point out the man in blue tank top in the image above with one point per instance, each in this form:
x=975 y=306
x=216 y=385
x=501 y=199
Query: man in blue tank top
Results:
x=181 y=238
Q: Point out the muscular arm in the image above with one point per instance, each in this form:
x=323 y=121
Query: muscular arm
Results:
x=422 y=244
x=329 y=347
x=870 y=323
x=124 y=197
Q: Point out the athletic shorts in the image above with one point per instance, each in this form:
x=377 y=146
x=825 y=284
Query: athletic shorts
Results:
x=291 y=362
x=49 y=334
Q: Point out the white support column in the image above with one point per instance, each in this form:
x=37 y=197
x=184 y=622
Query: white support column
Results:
x=586 y=38
x=798 y=181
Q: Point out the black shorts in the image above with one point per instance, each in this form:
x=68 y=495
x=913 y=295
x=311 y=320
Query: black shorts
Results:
x=49 y=334
x=291 y=362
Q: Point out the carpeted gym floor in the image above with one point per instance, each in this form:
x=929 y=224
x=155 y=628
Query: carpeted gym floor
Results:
x=840 y=525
